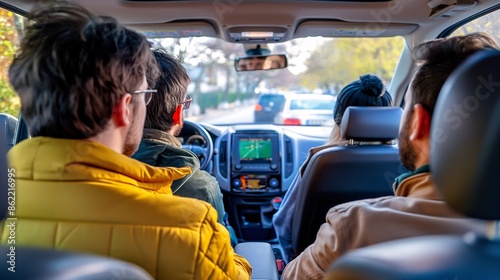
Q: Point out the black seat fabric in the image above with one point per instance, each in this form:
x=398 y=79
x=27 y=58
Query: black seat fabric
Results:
x=370 y=123
x=341 y=174
x=46 y=264
x=465 y=159
x=469 y=180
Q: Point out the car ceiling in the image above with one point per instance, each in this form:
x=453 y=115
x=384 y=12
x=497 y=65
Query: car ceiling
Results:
x=295 y=19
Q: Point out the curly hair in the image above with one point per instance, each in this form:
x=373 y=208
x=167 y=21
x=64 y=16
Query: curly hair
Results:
x=73 y=67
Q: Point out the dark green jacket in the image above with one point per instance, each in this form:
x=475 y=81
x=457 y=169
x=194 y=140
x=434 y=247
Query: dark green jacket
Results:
x=159 y=148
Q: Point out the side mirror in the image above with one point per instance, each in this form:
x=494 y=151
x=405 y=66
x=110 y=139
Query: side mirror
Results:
x=261 y=62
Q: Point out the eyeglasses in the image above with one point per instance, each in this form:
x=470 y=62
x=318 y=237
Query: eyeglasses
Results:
x=187 y=102
x=148 y=94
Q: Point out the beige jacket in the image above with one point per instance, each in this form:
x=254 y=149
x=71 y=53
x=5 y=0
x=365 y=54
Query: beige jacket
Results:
x=416 y=210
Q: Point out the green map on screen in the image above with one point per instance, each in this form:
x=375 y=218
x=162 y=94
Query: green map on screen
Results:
x=255 y=149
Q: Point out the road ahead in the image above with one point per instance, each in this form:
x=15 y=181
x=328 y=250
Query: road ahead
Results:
x=227 y=116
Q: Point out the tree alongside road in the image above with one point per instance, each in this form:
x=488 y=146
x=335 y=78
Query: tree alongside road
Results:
x=9 y=102
x=340 y=61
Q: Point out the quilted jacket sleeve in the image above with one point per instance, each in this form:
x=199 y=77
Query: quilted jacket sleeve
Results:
x=216 y=258
x=333 y=239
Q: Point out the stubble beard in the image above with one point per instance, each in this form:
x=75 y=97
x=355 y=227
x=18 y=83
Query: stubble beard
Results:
x=407 y=153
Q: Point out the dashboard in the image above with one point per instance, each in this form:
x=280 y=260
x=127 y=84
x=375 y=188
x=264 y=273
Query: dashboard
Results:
x=261 y=159
x=255 y=165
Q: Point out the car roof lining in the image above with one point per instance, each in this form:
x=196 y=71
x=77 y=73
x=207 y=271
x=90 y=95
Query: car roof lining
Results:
x=300 y=18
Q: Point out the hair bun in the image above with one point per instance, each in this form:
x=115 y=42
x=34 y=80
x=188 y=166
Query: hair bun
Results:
x=372 y=85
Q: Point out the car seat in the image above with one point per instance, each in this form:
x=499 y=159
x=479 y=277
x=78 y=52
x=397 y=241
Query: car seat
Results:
x=465 y=160
x=365 y=168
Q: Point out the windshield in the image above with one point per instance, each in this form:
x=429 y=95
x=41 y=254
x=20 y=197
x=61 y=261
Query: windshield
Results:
x=221 y=95
x=320 y=66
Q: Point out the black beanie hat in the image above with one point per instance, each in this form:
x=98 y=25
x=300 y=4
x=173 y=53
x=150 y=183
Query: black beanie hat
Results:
x=369 y=90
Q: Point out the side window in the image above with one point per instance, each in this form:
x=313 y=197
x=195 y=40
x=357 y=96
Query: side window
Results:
x=11 y=28
x=489 y=23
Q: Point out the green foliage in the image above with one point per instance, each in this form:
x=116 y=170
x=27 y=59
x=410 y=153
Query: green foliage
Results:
x=340 y=61
x=9 y=101
x=489 y=23
x=8 y=41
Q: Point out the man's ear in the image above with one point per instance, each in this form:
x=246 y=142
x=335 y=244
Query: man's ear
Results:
x=421 y=123
x=177 y=116
x=121 y=111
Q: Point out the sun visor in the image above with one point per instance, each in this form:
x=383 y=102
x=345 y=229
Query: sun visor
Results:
x=333 y=28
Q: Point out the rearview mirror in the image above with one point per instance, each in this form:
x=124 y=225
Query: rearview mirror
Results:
x=261 y=62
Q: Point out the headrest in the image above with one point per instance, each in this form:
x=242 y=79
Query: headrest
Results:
x=371 y=123
x=465 y=146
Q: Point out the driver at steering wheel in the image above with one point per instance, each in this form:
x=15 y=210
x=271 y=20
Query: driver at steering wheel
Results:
x=164 y=121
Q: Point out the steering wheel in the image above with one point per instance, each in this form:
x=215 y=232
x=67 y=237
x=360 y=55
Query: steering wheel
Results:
x=202 y=144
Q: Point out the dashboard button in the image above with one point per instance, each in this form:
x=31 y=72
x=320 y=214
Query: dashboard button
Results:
x=274 y=183
x=276 y=203
x=237 y=183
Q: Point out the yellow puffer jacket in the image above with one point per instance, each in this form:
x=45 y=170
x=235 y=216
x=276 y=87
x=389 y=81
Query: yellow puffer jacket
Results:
x=79 y=195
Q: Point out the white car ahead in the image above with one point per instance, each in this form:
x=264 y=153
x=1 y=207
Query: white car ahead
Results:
x=306 y=109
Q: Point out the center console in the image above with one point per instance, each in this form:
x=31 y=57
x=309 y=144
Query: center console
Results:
x=255 y=162
x=252 y=167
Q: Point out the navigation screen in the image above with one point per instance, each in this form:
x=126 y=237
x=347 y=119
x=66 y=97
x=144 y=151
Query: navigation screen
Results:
x=255 y=149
